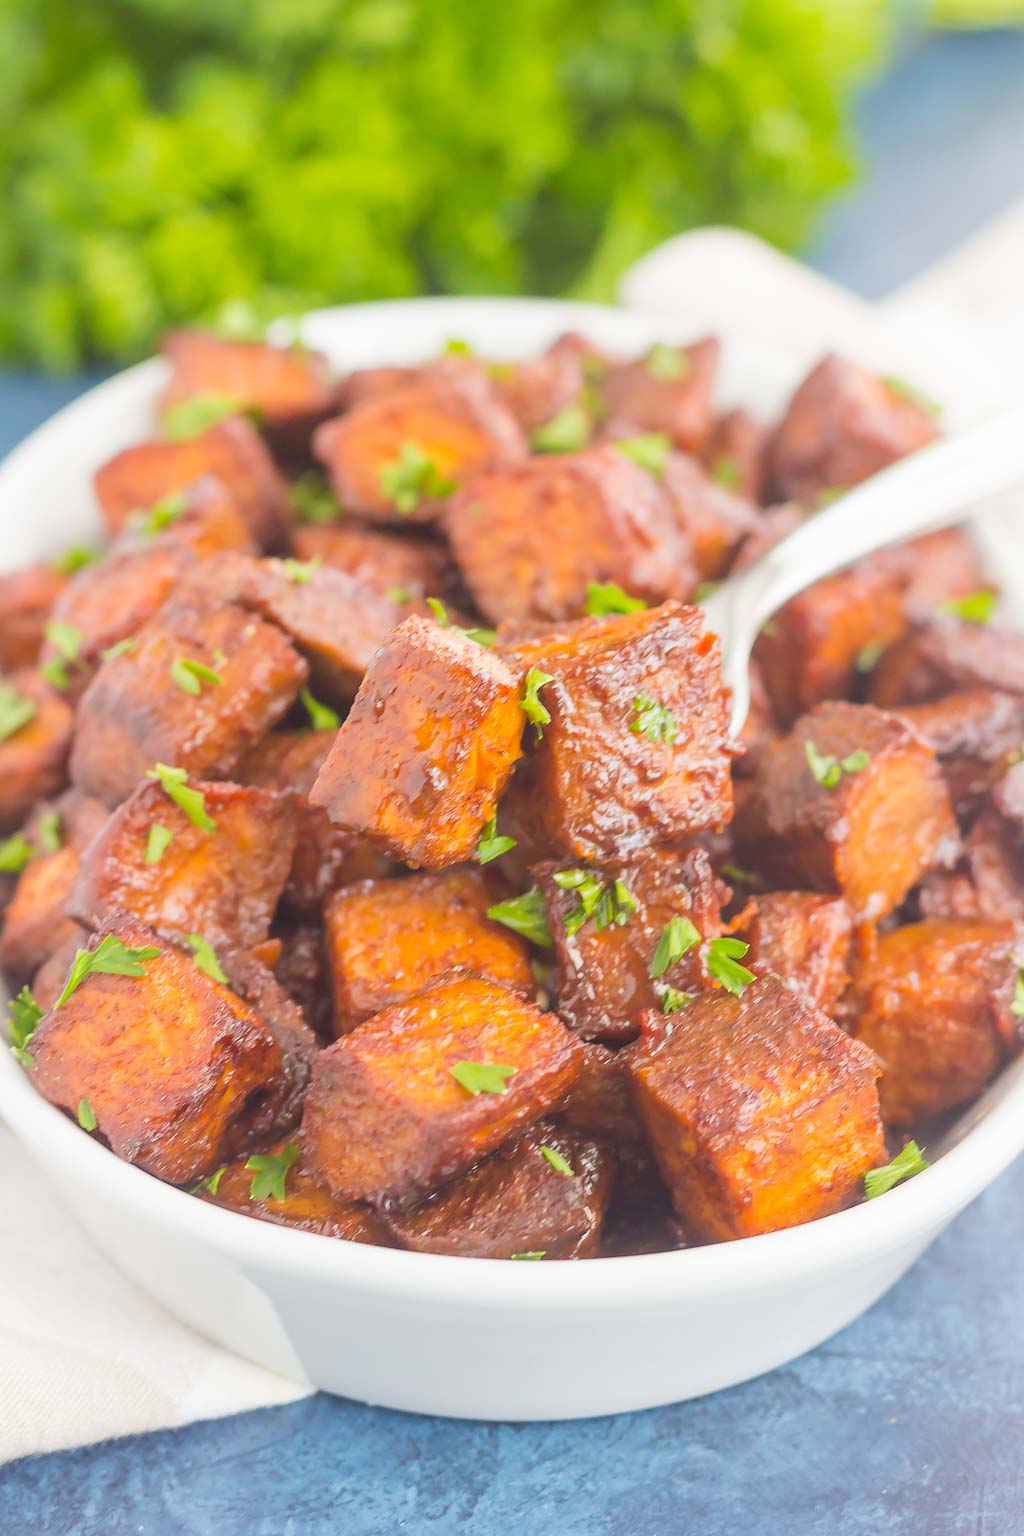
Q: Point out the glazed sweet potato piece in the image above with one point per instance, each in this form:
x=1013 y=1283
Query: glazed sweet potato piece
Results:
x=852 y=801
x=636 y=752
x=409 y=569
x=232 y=451
x=600 y=1103
x=713 y=519
x=804 y=938
x=933 y=1001
x=289 y=388
x=761 y=1112
x=975 y=734
x=530 y=539
x=306 y=1205
x=988 y=883
x=396 y=456
x=184 y=879
x=842 y=425
x=388 y=939
x=603 y=960
x=939 y=656
x=278 y=1108
x=26 y=598
x=385 y=1119
x=518 y=1201
x=670 y=390
x=35 y=736
x=36 y=923
x=735 y=453
x=168 y=1061
x=141 y=707
x=422 y=759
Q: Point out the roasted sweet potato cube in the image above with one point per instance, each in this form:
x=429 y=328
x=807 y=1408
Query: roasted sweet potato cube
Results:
x=636 y=752
x=306 y=1205
x=852 y=801
x=232 y=451
x=388 y=939
x=761 y=1112
x=713 y=519
x=35 y=735
x=670 y=390
x=278 y=1108
x=35 y=923
x=396 y=456
x=137 y=711
x=735 y=453
x=26 y=598
x=942 y=655
x=168 y=1061
x=521 y=1200
x=933 y=1001
x=974 y=733
x=422 y=759
x=386 y=1121
x=804 y=938
x=530 y=539
x=603 y=959
x=842 y=425
x=600 y=1103
x=409 y=568
x=290 y=388
x=223 y=884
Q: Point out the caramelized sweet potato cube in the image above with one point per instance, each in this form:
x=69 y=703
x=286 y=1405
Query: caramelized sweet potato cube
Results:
x=735 y=453
x=35 y=735
x=600 y=1103
x=222 y=884
x=385 y=562
x=842 y=425
x=804 y=938
x=762 y=1113
x=974 y=733
x=35 y=923
x=26 y=598
x=636 y=752
x=306 y=1205
x=423 y=757
x=713 y=520
x=396 y=456
x=232 y=451
x=278 y=1108
x=851 y=801
x=290 y=388
x=169 y=1061
x=937 y=657
x=603 y=960
x=135 y=713
x=518 y=1201
x=388 y=939
x=386 y=1121
x=670 y=390
x=530 y=539
x=933 y=1001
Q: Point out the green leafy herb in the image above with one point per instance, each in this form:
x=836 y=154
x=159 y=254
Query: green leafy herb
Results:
x=67 y=642
x=211 y=1183
x=1017 y=1004
x=668 y=364
x=439 y=611
x=491 y=846
x=976 y=608
x=174 y=783
x=484 y=637
x=49 y=832
x=23 y=1014
x=75 y=558
x=15 y=853
x=587 y=887
x=86 y=1115
x=829 y=496
x=16 y=710
x=878 y=1181
x=525 y=914
x=567 y=432
x=190 y=675
x=205 y=957
x=867 y=659
x=905 y=391
x=827 y=771
x=615 y=906
x=535 y=711
x=412 y=478
x=110 y=958
x=678 y=937
x=722 y=957
x=198 y=414
x=653 y=720
x=739 y=876
x=456 y=347
x=160 y=515
x=482 y=1076
x=270 y=1170
x=604 y=597
x=321 y=716
x=121 y=648
x=312 y=499
x=559 y=1163
x=538 y=1253
x=481 y=636
x=158 y=842
x=400 y=595
x=301 y=572
x=650 y=450
x=673 y=999
x=726 y=471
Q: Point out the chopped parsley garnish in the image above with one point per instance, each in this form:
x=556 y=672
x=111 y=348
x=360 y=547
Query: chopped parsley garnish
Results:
x=829 y=496
x=400 y=595
x=109 y=958
x=412 y=478
x=726 y=471
x=668 y=364
x=455 y=346
x=158 y=842
x=23 y=1014
x=67 y=642
x=198 y=414
x=15 y=710
x=301 y=572
x=878 y=1181
x=525 y=914
x=205 y=957
x=722 y=957
x=484 y=637
x=439 y=611
x=653 y=720
x=538 y=1253
x=609 y=904
x=672 y=999
x=559 y=1163
x=160 y=515
x=174 y=783
x=535 y=711
x=270 y=1170
x=650 y=450
x=976 y=608
x=482 y=1076
x=191 y=675
x=740 y=876
x=312 y=499
x=867 y=659
x=211 y=1183
x=49 y=832
x=615 y=905
x=567 y=432
x=905 y=391
x=321 y=716
x=492 y=845
x=1017 y=1004
x=678 y=937
x=481 y=636
x=15 y=853
x=76 y=558
x=604 y=597
x=86 y=1115
x=827 y=771
x=120 y=648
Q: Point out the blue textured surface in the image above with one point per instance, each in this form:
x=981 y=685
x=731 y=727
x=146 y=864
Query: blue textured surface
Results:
x=910 y=1423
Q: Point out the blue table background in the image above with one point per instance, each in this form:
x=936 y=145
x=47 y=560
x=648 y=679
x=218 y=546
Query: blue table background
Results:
x=909 y=1423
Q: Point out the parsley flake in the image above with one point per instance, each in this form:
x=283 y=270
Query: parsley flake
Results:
x=1017 y=1004
x=455 y=346
x=726 y=472
x=160 y=515
x=567 y=432
x=16 y=710
x=191 y=675
x=120 y=648
x=653 y=720
x=491 y=845
x=668 y=364
x=484 y=637
x=400 y=595
x=604 y=597
x=211 y=1183
x=86 y=1115
x=321 y=716
x=650 y=450
x=205 y=957
x=678 y=937
x=868 y=657
x=23 y=1014
x=559 y=1163
x=110 y=958
x=158 y=842
x=878 y=1181
x=188 y=418
x=312 y=499
x=905 y=391
x=827 y=771
x=412 y=478
x=535 y=711
x=76 y=558
x=174 y=783
x=722 y=957
x=525 y=914
x=673 y=999
x=67 y=642
x=15 y=853
x=301 y=572
x=270 y=1170
x=538 y=1253
x=49 y=832
x=608 y=904
x=975 y=608
x=482 y=1076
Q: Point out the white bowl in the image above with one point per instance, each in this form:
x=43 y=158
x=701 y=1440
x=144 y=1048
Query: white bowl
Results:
x=469 y=1338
